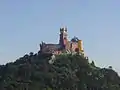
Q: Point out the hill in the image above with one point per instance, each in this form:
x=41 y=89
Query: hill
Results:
x=66 y=72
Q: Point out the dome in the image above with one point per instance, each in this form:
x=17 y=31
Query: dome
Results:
x=75 y=39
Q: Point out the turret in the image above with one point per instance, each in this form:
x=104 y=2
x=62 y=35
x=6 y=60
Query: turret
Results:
x=63 y=37
x=63 y=30
x=80 y=46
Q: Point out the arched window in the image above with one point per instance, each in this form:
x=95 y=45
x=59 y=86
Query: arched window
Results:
x=76 y=49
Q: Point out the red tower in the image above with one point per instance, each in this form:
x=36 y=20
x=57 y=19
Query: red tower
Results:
x=63 y=37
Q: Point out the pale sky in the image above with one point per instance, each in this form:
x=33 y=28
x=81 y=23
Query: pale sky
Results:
x=25 y=23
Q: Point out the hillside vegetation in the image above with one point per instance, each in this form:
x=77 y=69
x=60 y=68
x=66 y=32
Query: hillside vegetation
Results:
x=68 y=72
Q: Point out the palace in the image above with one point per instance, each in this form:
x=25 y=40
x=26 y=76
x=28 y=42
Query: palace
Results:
x=64 y=46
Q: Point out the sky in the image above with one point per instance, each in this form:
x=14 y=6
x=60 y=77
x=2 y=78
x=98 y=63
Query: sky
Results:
x=25 y=23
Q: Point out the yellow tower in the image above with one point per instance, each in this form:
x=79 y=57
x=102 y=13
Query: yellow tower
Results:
x=80 y=46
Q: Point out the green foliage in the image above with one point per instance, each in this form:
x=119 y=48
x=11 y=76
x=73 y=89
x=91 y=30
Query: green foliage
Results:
x=68 y=72
x=93 y=64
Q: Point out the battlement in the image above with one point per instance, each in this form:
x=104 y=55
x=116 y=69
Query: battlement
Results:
x=63 y=30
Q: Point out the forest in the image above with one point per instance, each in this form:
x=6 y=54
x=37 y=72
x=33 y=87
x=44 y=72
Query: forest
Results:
x=67 y=72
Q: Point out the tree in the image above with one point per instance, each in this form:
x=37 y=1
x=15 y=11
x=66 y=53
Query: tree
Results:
x=110 y=67
x=92 y=63
x=31 y=54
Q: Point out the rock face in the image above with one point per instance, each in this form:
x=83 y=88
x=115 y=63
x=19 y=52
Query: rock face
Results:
x=74 y=45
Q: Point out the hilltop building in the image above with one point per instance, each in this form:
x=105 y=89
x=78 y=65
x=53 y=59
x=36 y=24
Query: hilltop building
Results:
x=64 y=46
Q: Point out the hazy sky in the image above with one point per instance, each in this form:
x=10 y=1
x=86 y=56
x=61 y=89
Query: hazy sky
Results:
x=25 y=23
